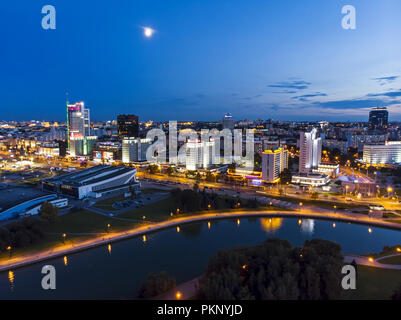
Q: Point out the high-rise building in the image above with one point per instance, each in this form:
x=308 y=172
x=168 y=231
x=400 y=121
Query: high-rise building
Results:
x=199 y=155
x=273 y=163
x=310 y=152
x=80 y=143
x=78 y=120
x=127 y=126
x=228 y=121
x=134 y=149
x=378 y=119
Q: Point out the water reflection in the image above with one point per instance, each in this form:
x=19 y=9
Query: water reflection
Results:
x=11 y=279
x=109 y=248
x=308 y=226
x=65 y=259
x=271 y=224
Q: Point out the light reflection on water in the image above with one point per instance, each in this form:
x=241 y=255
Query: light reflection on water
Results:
x=97 y=274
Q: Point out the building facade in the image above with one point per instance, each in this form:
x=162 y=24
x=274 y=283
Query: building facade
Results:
x=388 y=153
x=127 y=126
x=273 y=163
x=378 y=119
x=310 y=152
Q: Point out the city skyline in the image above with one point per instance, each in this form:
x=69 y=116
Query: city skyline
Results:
x=279 y=60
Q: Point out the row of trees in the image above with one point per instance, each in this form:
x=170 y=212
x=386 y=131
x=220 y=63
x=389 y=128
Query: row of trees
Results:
x=155 y=285
x=191 y=200
x=274 y=270
x=28 y=230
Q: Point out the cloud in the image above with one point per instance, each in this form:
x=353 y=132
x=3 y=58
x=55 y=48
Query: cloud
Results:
x=252 y=97
x=389 y=94
x=295 y=85
x=355 y=103
x=305 y=97
x=385 y=80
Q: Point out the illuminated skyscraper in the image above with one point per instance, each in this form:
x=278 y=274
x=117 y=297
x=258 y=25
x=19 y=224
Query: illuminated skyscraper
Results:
x=378 y=119
x=228 y=121
x=78 y=129
x=310 y=152
x=273 y=163
x=78 y=118
x=127 y=126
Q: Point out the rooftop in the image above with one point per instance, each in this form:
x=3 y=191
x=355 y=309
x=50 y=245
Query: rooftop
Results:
x=90 y=175
x=12 y=196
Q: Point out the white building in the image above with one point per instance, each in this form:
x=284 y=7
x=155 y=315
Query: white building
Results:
x=388 y=153
x=134 y=149
x=310 y=151
x=49 y=149
x=199 y=155
x=310 y=179
x=327 y=169
x=273 y=163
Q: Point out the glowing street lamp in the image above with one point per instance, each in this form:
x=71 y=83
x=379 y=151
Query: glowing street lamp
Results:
x=108 y=227
x=9 y=249
x=371 y=259
x=178 y=295
x=64 y=236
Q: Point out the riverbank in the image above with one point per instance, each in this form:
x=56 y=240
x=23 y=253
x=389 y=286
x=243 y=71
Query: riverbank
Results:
x=17 y=262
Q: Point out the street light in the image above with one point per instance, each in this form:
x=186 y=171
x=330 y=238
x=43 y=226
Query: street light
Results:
x=9 y=250
x=178 y=295
x=64 y=235
x=108 y=227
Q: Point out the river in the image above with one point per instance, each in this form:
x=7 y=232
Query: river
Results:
x=117 y=270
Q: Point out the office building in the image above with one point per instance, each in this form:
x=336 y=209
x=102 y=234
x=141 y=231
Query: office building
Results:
x=199 y=155
x=134 y=149
x=310 y=152
x=378 y=119
x=382 y=154
x=127 y=126
x=78 y=130
x=273 y=163
x=228 y=121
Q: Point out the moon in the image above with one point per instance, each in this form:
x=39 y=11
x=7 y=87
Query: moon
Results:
x=148 y=32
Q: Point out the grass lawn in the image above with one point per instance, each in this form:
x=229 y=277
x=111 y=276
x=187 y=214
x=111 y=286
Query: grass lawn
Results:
x=107 y=204
x=391 y=260
x=153 y=212
x=374 y=283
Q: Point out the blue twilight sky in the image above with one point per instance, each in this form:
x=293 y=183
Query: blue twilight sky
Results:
x=280 y=59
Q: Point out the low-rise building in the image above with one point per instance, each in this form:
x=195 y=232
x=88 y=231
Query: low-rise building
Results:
x=310 y=179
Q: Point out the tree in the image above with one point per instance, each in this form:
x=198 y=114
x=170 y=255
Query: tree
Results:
x=397 y=294
x=285 y=176
x=48 y=212
x=274 y=270
x=170 y=171
x=155 y=285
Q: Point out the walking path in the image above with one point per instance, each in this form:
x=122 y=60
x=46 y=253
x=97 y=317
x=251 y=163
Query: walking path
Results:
x=366 y=261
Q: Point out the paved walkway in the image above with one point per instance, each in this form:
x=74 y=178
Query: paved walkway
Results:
x=366 y=261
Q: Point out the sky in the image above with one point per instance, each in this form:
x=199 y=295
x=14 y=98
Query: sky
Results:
x=258 y=59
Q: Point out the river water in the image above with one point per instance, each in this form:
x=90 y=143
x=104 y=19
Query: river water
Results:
x=116 y=271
